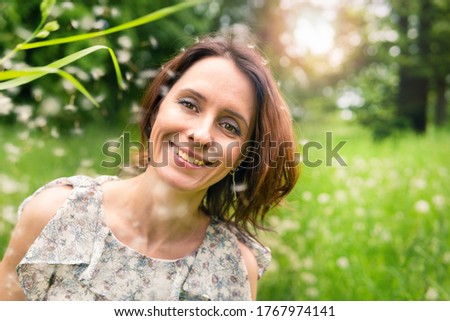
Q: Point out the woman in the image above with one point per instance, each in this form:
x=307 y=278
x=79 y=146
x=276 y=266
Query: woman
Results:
x=220 y=156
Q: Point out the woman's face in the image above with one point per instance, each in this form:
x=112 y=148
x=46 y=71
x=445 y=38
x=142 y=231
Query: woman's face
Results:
x=201 y=124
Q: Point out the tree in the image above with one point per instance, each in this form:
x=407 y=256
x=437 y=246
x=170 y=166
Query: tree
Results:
x=422 y=66
x=412 y=96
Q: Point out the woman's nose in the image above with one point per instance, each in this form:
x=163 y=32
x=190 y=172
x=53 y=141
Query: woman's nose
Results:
x=201 y=134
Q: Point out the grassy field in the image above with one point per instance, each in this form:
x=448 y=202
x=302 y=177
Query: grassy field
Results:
x=376 y=229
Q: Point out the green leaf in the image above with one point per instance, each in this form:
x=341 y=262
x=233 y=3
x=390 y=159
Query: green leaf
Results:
x=42 y=34
x=51 y=26
x=21 y=77
x=46 y=8
x=29 y=74
x=159 y=14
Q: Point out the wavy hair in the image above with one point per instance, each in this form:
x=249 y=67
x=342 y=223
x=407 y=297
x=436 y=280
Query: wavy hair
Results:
x=270 y=169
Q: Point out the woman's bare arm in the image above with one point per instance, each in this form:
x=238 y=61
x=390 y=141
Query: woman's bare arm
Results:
x=35 y=216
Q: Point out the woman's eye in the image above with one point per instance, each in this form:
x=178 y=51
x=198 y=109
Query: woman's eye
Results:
x=188 y=104
x=231 y=128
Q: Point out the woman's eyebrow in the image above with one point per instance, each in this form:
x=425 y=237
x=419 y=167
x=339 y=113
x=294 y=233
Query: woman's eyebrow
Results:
x=237 y=115
x=194 y=93
x=227 y=110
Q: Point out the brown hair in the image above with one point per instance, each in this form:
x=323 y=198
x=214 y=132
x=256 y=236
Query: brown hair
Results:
x=269 y=171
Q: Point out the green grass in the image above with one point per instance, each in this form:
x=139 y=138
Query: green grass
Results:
x=376 y=229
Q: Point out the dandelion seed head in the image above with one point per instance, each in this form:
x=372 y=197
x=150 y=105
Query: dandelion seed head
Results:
x=308 y=263
x=8 y=185
x=419 y=183
x=273 y=267
x=77 y=130
x=6 y=105
x=59 y=152
x=115 y=12
x=308 y=278
x=360 y=211
x=189 y=29
x=70 y=108
x=340 y=196
x=125 y=42
x=171 y=73
x=75 y=24
x=11 y=149
x=241 y=187
x=153 y=42
x=328 y=211
x=66 y=5
x=343 y=263
x=287 y=225
x=9 y=214
x=360 y=163
x=307 y=196
x=135 y=224
x=99 y=10
x=432 y=294
x=97 y=73
x=439 y=201
x=23 y=113
x=340 y=173
x=51 y=106
x=101 y=24
x=359 y=226
x=163 y=91
x=40 y=121
x=312 y=292
x=303 y=142
x=54 y=132
x=23 y=135
x=87 y=22
x=443 y=171
x=422 y=206
x=123 y=56
x=87 y=162
x=323 y=198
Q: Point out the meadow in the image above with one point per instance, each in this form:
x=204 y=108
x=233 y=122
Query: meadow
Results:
x=374 y=229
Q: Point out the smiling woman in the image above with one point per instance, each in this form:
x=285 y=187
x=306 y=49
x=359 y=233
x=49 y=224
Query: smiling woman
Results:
x=220 y=155
x=217 y=104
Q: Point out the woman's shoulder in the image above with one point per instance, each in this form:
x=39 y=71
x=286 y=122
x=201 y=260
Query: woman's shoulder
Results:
x=51 y=195
x=38 y=209
x=255 y=255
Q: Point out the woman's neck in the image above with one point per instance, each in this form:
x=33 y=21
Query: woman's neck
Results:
x=154 y=216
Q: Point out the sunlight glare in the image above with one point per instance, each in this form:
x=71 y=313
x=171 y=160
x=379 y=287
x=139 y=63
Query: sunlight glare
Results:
x=314 y=34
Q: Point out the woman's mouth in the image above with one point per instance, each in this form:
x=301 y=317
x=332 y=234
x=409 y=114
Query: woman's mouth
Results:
x=190 y=158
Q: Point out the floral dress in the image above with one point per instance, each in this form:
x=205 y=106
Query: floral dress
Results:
x=76 y=257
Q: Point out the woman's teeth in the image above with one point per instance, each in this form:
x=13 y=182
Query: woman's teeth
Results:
x=190 y=159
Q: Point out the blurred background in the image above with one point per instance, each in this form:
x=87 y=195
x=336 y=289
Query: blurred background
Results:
x=373 y=74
